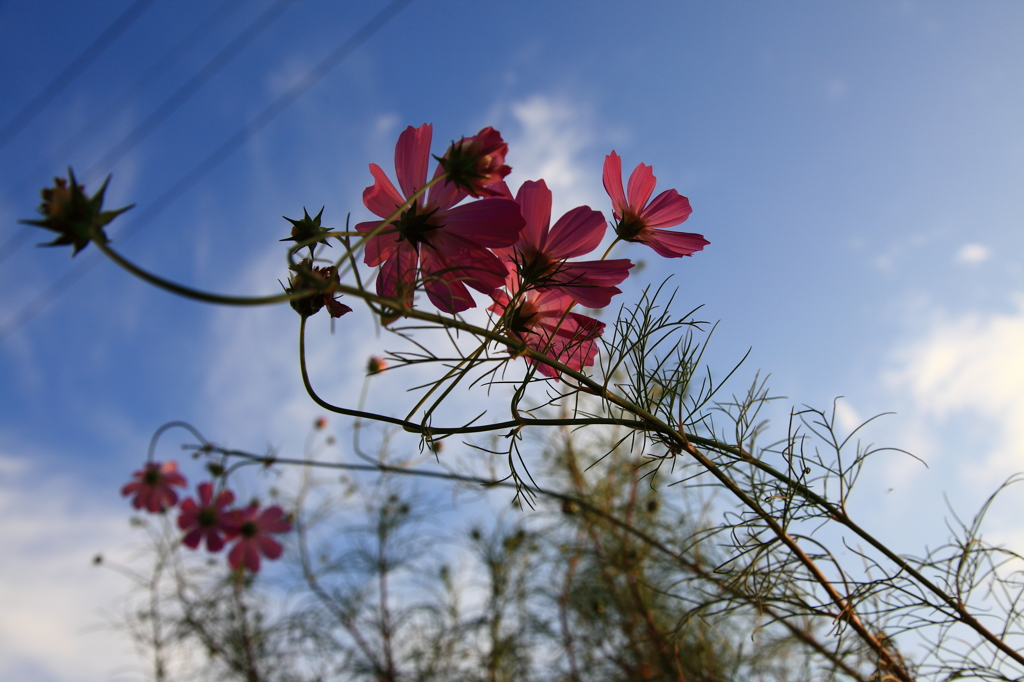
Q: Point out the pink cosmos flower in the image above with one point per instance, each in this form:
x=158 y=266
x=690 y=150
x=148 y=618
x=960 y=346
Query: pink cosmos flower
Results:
x=205 y=518
x=640 y=221
x=475 y=163
x=444 y=245
x=541 y=254
x=538 y=317
x=252 y=528
x=154 y=489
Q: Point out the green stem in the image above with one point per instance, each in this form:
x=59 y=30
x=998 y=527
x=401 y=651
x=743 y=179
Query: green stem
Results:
x=195 y=294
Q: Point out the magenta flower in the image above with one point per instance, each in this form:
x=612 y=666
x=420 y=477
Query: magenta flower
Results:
x=434 y=241
x=541 y=254
x=538 y=317
x=639 y=221
x=154 y=489
x=252 y=529
x=475 y=163
x=205 y=518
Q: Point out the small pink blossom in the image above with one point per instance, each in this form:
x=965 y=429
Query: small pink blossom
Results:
x=433 y=241
x=154 y=487
x=640 y=221
x=205 y=518
x=542 y=252
x=252 y=528
x=539 y=318
x=376 y=365
x=474 y=163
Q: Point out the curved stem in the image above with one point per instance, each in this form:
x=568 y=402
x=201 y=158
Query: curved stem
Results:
x=196 y=294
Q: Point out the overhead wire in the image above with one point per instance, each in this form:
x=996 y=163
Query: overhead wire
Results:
x=117 y=105
x=72 y=71
x=203 y=76
x=215 y=158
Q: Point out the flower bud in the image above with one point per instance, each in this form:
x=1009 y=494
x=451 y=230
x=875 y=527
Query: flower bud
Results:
x=307 y=228
x=76 y=218
x=376 y=365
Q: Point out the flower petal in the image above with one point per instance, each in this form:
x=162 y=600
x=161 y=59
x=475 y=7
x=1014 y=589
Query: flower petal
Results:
x=412 y=155
x=493 y=223
x=577 y=233
x=397 y=278
x=673 y=244
x=270 y=547
x=592 y=283
x=667 y=210
x=641 y=186
x=534 y=199
x=381 y=197
x=379 y=247
x=613 y=183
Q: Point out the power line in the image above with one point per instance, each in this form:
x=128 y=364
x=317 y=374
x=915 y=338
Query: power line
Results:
x=72 y=71
x=22 y=234
x=181 y=95
x=232 y=144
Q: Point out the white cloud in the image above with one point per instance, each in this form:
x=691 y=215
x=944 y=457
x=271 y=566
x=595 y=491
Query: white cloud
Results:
x=847 y=417
x=51 y=597
x=973 y=254
x=552 y=135
x=972 y=365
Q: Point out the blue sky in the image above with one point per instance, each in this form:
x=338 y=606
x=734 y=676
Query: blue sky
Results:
x=857 y=168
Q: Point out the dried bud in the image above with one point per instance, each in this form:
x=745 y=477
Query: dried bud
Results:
x=320 y=283
x=474 y=163
x=76 y=218
x=307 y=228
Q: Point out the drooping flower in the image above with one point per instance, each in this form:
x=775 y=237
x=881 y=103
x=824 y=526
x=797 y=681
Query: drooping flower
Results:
x=434 y=241
x=540 y=318
x=475 y=163
x=307 y=277
x=154 y=487
x=205 y=518
x=542 y=252
x=252 y=529
x=640 y=221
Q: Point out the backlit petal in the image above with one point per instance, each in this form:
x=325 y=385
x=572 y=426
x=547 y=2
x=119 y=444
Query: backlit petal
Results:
x=381 y=197
x=673 y=244
x=641 y=186
x=613 y=183
x=412 y=155
x=534 y=199
x=576 y=233
x=489 y=222
x=667 y=210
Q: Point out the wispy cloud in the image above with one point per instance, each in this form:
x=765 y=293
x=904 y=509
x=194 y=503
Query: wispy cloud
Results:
x=973 y=254
x=51 y=598
x=972 y=365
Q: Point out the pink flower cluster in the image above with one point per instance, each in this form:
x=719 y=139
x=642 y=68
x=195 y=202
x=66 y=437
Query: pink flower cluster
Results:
x=505 y=247
x=209 y=517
